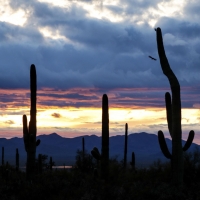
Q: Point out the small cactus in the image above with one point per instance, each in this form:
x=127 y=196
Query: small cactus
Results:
x=133 y=161
x=83 y=146
x=2 y=156
x=17 y=160
x=40 y=163
x=50 y=163
x=125 y=145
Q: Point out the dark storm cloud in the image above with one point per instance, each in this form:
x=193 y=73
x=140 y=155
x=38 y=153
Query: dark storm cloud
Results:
x=97 y=53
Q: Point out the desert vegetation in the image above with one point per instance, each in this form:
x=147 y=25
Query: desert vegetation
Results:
x=97 y=176
x=83 y=181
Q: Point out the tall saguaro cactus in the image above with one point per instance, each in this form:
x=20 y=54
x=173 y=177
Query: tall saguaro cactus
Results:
x=29 y=133
x=105 y=138
x=125 y=145
x=173 y=110
x=104 y=156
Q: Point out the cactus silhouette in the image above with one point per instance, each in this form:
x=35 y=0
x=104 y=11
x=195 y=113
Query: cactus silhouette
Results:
x=105 y=139
x=29 y=133
x=133 y=161
x=104 y=156
x=50 y=163
x=40 y=163
x=17 y=160
x=2 y=156
x=173 y=110
x=83 y=146
x=125 y=145
x=95 y=153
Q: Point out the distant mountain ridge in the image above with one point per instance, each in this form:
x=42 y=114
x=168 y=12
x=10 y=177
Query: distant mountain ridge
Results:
x=63 y=150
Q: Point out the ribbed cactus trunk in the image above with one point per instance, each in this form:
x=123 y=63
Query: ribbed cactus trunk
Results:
x=105 y=139
x=173 y=108
x=17 y=160
x=29 y=133
x=125 y=145
x=2 y=156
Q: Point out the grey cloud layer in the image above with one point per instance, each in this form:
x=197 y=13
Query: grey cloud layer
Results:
x=96 y=53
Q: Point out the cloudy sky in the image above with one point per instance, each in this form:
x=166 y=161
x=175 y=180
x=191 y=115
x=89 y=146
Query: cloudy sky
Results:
x=85 y=48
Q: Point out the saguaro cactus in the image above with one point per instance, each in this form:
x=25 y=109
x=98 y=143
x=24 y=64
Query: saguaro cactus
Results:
x=2 y=156
x=83 y=146
x=125 y=145
x=29 y=133
x=105 y=139
x=133 y=161
x=104 y=156
x=17 y=160
x=40 y=163
x=173 y=110
x=50 y=163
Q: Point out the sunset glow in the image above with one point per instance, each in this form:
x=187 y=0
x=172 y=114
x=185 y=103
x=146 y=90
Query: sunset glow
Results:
x=70 y=121
x=84 y=49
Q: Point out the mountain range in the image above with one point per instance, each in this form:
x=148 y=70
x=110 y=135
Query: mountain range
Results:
x=63 y=150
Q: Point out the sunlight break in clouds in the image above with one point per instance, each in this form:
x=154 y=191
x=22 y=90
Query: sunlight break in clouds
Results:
x=16 y=17
x=116 y=64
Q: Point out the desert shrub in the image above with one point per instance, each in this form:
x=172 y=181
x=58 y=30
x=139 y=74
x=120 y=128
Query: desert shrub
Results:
x=84 y=161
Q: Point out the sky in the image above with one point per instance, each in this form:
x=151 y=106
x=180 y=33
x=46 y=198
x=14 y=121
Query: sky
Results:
x=83 y=49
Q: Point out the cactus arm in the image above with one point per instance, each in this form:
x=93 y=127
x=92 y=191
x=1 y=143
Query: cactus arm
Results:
x=169 y=111
x=95 y=153
x=189 y=141
x=37 y=142
x=164 y=62
x=163 y=145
